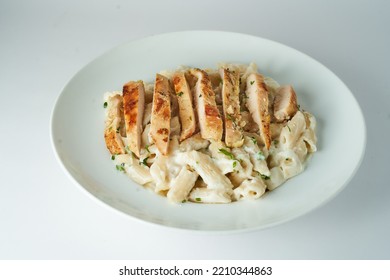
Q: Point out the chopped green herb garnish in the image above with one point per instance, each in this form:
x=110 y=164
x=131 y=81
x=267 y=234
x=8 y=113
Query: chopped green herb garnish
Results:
x=180 y=93
x=105 y=104
x=200 y=95
x=230 y=117
x=288 y=159
x=299 y=107
x=260 y=156
x=112 y=157
x=265 y=177
x=226 y=153
x=120 y=167
x=183 y=201
x=276 y=142
x=289 y=129
x=147 y=148
x=234 y=164
x=198 y=199
x=252 y=82
x=144 y=161
x=254 y=140
x=197 y=162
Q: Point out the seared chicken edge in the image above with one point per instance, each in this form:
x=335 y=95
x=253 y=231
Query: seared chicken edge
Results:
x=133 y=108
x=210 y=122
x=160 y=121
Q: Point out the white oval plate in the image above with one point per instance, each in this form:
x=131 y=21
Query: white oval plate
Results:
x=78 y=122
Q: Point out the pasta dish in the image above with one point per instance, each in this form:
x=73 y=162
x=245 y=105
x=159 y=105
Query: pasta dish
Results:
x=208 y=135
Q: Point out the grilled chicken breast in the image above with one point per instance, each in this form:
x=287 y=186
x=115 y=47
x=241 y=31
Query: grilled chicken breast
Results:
x=210 y=122
x=186 y=112
x=114 y=118
x=257 y=104
x=231 y=107
x=285 y=103
x=160 y=122
x=133 y=108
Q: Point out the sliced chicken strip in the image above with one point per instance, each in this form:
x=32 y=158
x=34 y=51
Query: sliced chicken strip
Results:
x=257 y=103
x=186 y=112
x=133 y=107
x=210 y=122
x=161 y=114
x=114 y=118
x=231 y=107
x=285 y=103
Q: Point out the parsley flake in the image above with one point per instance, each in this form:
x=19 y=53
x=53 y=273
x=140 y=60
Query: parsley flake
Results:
x=289 y=129
x=233 y=120
x=147 y=148
x=198 y=199
x=254 y=140
x=226 y=153
x=252 y=82
x=260 y=156
x=183 y=201
x=234 y=164
x=180 y=93
x=144 y=161
x=120 y=167
x=265 y=177
x=112 y=157
x=105 y=104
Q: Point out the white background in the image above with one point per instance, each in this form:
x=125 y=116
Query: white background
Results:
x=43 y=215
